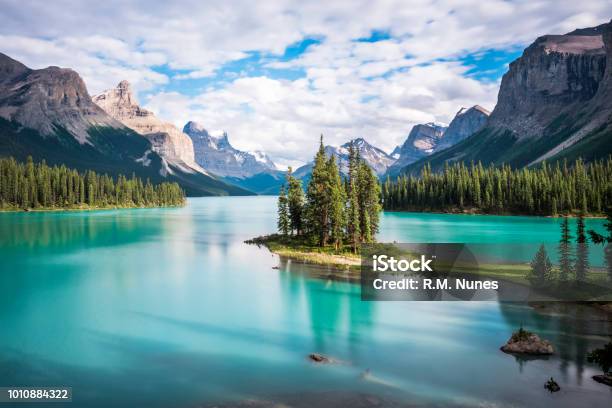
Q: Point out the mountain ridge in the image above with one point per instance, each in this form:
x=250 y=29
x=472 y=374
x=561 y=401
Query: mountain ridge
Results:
x=554 y=103
x=48 y=114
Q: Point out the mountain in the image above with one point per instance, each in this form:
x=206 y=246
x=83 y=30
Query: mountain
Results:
x=48 y=99
x=421 y=142
x=171 y=144
x=253 y=171
x=555 y=102
x=395 y=154
x=465 y=123
x=217 y=155
x=376 y=158
x=48 y=114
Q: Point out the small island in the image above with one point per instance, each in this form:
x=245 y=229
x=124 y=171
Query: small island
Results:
x=328 y=223
x=39 y=187
x=525 y=342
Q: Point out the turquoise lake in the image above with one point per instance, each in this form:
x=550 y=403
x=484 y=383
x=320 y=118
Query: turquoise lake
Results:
x=169 y=308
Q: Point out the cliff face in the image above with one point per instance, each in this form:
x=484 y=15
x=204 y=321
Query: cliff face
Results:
x=465 y=123
x=420 y=143
x=554 y=103
x=218 y=156
x=48 y=99
x=556 y=73
x=170 y=143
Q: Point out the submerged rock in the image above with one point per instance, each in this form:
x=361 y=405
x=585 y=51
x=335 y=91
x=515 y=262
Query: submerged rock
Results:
x=319 y=358
x=604 y=379
x=552 y=386
x=524 y=342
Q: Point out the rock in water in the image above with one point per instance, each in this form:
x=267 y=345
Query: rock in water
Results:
x=319 y=358
x=552 y=386
x=604 y=379
x=524 y=342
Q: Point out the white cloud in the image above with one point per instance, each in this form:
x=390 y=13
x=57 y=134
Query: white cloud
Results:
x=285 y=118
x=376 y=90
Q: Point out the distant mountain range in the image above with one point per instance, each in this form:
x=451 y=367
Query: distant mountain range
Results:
x=554 y=103
x=376 y=158
x=426 y=139
x=48 y=114
x=254 y=171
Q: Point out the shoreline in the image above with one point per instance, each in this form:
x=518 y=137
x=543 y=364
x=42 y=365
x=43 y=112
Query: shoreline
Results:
x=281 y=246
x=69 y=209
x=467 y=212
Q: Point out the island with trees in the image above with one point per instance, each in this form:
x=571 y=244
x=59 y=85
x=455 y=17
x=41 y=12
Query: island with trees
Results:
x=328 y=221
x=38 y=186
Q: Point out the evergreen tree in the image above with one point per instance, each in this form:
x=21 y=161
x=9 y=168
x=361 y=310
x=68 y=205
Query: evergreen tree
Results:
x=602 y=357
x=582 y=250
x=284 y=220
x=333 y=210
x=353 y=210
x=295 y=201
x=369 y=202
x=318 y=198
x=565 y=252
x=541 y=269
x=337 y=216
x=544 y=190
x=37 y=185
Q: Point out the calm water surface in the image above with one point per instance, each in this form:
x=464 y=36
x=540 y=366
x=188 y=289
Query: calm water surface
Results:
x=168 y=307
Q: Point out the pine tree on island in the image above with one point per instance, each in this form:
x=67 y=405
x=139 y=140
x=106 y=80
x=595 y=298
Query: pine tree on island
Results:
x=319 y=197
x=333 y=211
x=284 y=220
x=295 y=202
x=337 y=214
x=353 y=225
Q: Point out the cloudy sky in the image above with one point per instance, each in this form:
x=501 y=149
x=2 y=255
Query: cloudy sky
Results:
x=275 y=74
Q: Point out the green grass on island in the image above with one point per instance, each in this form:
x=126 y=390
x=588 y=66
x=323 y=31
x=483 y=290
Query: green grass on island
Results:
x=302 y=249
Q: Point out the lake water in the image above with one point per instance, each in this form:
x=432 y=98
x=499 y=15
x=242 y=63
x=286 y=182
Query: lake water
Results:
x=168 y=308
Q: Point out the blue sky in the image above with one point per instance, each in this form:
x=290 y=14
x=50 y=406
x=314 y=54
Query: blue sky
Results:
x=277 y=74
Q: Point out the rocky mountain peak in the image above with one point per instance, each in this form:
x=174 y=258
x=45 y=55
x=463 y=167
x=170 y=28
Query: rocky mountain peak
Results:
x=48 y=99
x=120 y=101
x=466 y=122
x=170 y=143
x=554 y=72
x=10 y=68
x=193 y=127
x=374 y=157
x=222 y=141
x=217 y=155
